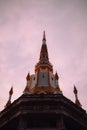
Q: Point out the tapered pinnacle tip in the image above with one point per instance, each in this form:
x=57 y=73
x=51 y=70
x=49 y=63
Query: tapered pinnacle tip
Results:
x=44 y=36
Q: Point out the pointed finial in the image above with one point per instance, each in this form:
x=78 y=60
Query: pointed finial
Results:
x=76 y=96
x=28 y=76
x=10 y=95
x=26 y=90
x=56 y=76
x=11 y=91
x=44 y=36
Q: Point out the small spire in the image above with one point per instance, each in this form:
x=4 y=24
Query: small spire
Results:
x=11 y=91
x=76 y=96
x=26 y=90
x=44 y=36
x=28 y=76
x=56 y=76
x=10 y=95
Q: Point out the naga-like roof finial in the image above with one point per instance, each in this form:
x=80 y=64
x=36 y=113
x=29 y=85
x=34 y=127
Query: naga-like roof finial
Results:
x=10 y=95
x=76 y=96
x=28 y=76
x=44 y=36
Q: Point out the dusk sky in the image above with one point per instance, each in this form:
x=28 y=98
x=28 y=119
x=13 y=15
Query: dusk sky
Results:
x=22 y=23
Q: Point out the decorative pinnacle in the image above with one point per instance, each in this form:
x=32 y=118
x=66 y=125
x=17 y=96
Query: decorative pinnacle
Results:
x=10 y=95
x=28 y=77
x=76 y=96
x=11 y=91
x=44 y=36
x=75 y=90
x=56 y=76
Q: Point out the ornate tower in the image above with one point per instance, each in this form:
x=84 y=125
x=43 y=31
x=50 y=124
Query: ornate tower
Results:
x=42 y=105
x=43 y=81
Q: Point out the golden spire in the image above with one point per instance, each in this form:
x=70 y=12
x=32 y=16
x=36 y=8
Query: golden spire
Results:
x=76 y=96
x=10 y=95
x=44 y=58
x=44 y=51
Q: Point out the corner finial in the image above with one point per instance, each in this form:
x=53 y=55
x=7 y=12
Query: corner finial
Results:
x=11 y=91
x=10 y=95
x=56 y=76
x=28 y=76
x=26 y=90
x=76 y=96
x=44 y=36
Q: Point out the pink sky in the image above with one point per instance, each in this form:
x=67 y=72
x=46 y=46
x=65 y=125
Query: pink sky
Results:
x=21 y=28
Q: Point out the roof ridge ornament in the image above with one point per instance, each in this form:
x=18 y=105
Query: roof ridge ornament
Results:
x=28 y=76
x=10 y=96
x=76 y=96
x=56 y=75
